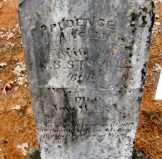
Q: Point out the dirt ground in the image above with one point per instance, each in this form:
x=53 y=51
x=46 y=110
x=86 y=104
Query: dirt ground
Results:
x=149 y=136
x=17 y=125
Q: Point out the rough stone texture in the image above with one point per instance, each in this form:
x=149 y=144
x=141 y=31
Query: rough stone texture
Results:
x=86 y=63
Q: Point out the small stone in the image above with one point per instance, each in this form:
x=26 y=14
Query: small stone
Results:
x=17 y=107
x=8 y=87
x=20 y=72
x=157 y=67
x=157 y=16
x=23 y=147
x=3 y=64
x=157 y=23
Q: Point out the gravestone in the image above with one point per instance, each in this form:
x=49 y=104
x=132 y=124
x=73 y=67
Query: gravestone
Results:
x=86 y=62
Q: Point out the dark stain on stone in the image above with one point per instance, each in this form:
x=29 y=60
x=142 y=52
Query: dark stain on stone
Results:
x=134 y=16
x=62 y=38
x=21 y=4
x=130 y=54
x=152 y=15
x=141 y=89
x=144 y=9
x=143 y=77
x=42 y=66
x=74 y=33
x=144 y=22
x=43 y=27
x=115 y=105
x=69 y=117
x=148 y=9
x=41 y=44
x=139 y=99
x=128 y=47
x=143 y=74
x=123 y=83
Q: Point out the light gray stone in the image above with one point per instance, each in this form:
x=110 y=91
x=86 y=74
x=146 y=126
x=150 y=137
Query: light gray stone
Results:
x=86 y=62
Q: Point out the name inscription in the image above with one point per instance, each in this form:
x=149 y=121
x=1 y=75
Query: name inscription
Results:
x=80 y=22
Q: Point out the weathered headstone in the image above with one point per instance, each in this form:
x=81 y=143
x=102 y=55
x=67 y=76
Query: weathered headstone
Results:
x=86 y=62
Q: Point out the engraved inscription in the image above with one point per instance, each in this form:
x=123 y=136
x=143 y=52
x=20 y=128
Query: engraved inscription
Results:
x=65 y=23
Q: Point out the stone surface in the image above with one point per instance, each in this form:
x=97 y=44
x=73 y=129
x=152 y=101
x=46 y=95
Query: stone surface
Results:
x=86 y=62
